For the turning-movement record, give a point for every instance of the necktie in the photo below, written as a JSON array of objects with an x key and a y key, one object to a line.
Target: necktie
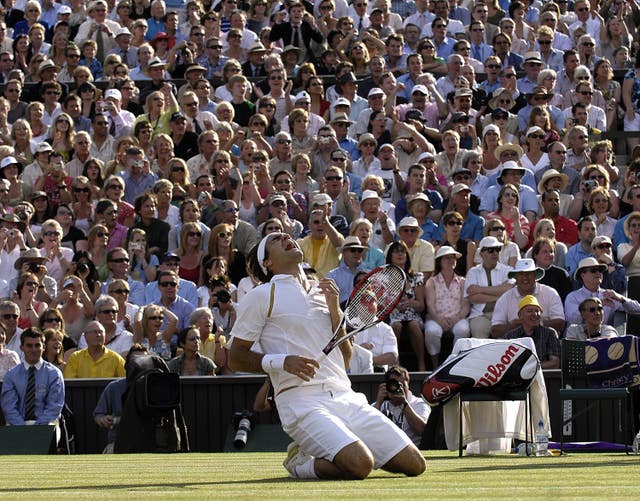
[
  {"x": 196, "y": 127},
  {"x": 488, "y": 307},
  {"x": 112, "y": 128},
  {"x": 30, "y": 396},
  {"x": 295, "y": 38},
  {"x": 125, "y": 59},
  {"x": 360, "y": 25},
  {"x": 100, "y": 44},
  {"x": 476, "y": 53}
]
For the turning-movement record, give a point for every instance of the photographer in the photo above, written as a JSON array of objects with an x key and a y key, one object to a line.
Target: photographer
[
  {"x": 396, "y": 401},
  {"x": 11, "y": 245},
  {"x": 222, "y": 307}
]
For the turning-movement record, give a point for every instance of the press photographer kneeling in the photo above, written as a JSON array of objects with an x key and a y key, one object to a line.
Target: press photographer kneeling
[{"x": 396, "y": 401}]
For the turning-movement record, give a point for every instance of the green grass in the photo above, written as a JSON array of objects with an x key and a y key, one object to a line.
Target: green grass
[{"x": 261, "y": 476}]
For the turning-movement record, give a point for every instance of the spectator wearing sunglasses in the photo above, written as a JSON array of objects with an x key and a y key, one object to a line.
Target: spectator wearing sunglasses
[
  {"x": 482, "y": 291},
  {"x": 589, "y": 274},
  {"x": 549, "y": 55},
  {"x": 591, "y": 326},
  {"x": 186, "y": 288},
  {"x": 169, "y": 285},
  {"x": 118, "y": 265},
  {"x": 9, "y": 314}
]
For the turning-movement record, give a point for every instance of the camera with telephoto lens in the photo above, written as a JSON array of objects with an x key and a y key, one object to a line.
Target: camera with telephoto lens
[
  {"x": 244, "y": 421},
  {"x": 394, "y": 387},
  {"x": 590, "y": 184},
  {"x": 223, "y": 296},
  {"x": 34, "y": 267}
]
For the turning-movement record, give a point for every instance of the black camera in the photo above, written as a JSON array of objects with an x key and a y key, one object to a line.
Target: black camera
[
  {"x": 22, "y": 215},
  {"x": 243, "y": 422},
  {"x": 34, "y": 267},
  {"x": 223, "y": 296},
  {"x": 414, "y": 115},
  {"x": 394, "y": 387},
  {"x": 83, "y": 268}
]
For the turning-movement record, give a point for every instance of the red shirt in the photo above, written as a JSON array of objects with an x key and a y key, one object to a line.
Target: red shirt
[{"x": 566, "y": 230}]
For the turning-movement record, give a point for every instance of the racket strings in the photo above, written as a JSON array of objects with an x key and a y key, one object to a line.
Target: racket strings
[{"x": 376, "y": 297}]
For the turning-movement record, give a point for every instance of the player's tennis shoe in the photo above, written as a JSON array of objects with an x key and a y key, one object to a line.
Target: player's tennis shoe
[{"x": 295, "y": 458}]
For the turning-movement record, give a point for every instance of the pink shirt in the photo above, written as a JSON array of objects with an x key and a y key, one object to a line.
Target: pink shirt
[{"x": 448, "y": 298}]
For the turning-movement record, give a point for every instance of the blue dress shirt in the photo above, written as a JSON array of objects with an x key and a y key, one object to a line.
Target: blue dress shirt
[{"x": 49, "y": 393}]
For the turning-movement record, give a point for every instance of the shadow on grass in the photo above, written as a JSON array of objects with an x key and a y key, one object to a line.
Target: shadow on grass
[
  {"x": 143, "y": 487},
  {"x": 184, "y": 485},
  {"x": 547, "y": 464}
]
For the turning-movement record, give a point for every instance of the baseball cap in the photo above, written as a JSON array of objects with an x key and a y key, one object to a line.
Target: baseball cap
[
  {"x": 114, "y": 93},
  {"x": 177, "y": 115},
  {"x": 168, "y": 256}
]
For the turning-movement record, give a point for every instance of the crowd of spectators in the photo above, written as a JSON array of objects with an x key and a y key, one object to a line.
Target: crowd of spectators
[{"x": 146, "y": 147}]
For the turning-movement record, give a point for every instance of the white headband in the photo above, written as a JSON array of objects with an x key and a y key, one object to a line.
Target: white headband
[{"x": 262, "y": 247}]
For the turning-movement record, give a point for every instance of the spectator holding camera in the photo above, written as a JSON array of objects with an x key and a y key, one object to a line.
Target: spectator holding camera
[
  {"x": 75, "y": 304},
  {"x": 396, "y": 401},
  {"x": 11, "y": 245},
  {"x": 222, "y": 307},
  {"x": 25, "y": 297}
]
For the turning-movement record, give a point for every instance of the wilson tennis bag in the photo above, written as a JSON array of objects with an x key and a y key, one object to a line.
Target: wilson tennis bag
[{"x": 499, "y": 366}]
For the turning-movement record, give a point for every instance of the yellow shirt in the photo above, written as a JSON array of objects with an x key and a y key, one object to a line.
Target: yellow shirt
[
  {"x": 82, "y": 365},
  {"x": 208, "y": 346},
  {"x": 326, "y": 257},
  {"x": 422, "y": 256}
]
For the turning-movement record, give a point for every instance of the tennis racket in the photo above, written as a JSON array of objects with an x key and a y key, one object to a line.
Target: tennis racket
[{"x": 370, "y": 302}]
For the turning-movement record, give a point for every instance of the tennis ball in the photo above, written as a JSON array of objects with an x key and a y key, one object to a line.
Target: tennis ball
[
  {"x": 590, "y": 355},
  {"x": 616, "y": 350}
]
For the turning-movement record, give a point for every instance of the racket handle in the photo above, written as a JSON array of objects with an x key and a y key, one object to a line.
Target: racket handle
[{"x": 321, "y": 358}]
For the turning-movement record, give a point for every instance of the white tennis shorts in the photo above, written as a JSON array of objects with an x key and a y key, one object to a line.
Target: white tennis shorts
[{"x": 323, "y": 422}]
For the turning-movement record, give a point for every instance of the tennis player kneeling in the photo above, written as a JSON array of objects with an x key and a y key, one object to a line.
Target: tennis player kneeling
[{"x": 336, "y": 433}]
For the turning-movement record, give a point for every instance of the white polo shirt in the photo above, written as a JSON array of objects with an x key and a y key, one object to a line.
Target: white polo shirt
[
  {"x": 506, "y": 309},
  {"x": 298, "y": 324}
]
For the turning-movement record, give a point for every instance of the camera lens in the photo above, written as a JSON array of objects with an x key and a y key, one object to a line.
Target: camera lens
[{"x": 393, "y": 386}]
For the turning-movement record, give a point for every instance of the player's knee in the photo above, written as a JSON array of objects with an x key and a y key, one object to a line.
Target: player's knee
[
  {"x": 416, "y": 465},
  {"x": 359, "y": 470},
  {"x": 355, "y": 461}
]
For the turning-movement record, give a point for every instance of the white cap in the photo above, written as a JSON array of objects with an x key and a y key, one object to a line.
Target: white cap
[
  {"x": 6, "y": 161},
  {"x": 64, "y": 10},
  {"x": 490, "y": 242},
  {"x": 420, "y": 88},
  {"x": 342, "y": 101},
  {"x": 123, "y": 31},
  {"x": 42, "y": 147},
  {"x": 114, "y": 93},
  {"x": 304, "y": 95},
  {"x": 376, "y": 91},
  {"x": 369, "y": 194},
  {"x": 533, "y": 129}
]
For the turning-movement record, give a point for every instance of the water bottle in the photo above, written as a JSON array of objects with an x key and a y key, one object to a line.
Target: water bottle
[
  {"x": 542, "y": 440},
  {"x": 636, "y": 444}
]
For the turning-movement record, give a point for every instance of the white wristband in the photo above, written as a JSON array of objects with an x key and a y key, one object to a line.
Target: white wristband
[{"x": 273, "y": 362}]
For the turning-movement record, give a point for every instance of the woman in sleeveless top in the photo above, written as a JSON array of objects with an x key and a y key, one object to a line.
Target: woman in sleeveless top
[{"x": 447, "y": 308}]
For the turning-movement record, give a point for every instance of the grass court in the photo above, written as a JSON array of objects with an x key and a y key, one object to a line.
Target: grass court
[{"x": 261, "y": 476}]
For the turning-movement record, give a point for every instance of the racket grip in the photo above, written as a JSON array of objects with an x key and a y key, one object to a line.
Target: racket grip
[{"x": 321, "y": 358}]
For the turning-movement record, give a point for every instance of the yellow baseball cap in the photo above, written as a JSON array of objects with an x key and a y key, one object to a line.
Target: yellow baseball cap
[{"x": 528, "y": 300}]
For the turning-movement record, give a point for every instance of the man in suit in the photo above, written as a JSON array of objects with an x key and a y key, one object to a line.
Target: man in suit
[
  {"x": 32, "y": 392},
  {"x": 254, "y": 67},
  {"x": 298, "y": 31}
]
